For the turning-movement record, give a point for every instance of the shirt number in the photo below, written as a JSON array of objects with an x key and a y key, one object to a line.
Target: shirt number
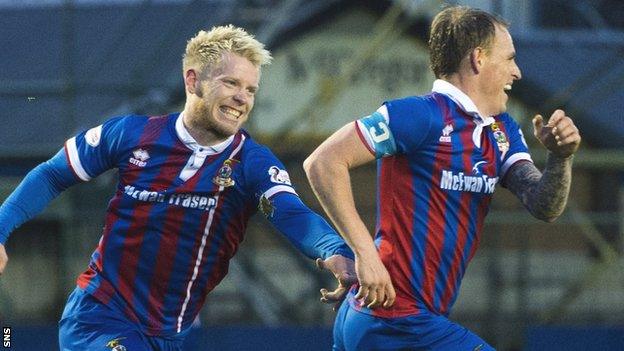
[{"x": 379, "y": 137}]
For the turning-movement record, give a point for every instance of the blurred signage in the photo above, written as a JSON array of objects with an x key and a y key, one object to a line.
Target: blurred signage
[{"x": 308, "y": 89}]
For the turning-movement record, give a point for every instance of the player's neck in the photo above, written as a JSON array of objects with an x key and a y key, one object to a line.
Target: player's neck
[
  {"x": 202, "y": 136},
  {"x": 470, "y": 86}
]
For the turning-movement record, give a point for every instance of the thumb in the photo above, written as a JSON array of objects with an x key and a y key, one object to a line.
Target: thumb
[
  {"x": 320, "y": 263},
  {"x": 538, "y": 124}
]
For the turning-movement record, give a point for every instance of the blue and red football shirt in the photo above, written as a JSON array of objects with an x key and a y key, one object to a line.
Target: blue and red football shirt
[
  {"x": 178, "y": 215},
  {"x": 438, "y": 164}
]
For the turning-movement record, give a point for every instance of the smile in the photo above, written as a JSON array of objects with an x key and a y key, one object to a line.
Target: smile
[
  {"x": 507, "y": 87},
  {"x": 230, "y": 111}
]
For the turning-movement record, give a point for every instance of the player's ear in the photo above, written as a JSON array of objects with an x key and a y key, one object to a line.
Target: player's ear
[
  {"x": 477, "y": 57},
  {"x": 191, "y": 81}
]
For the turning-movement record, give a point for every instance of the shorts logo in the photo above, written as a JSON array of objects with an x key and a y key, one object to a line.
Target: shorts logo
[
  {"x": 114, "y": 345},
  {"x": 279, "y": 175},
  {"x": 139, "y": 158},
  {"x": 446, "y": 134},
  {"x": 224, "y": 174},
  {"x": 93, "y": 135}
]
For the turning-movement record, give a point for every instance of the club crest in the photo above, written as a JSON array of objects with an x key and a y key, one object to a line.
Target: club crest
[
  {"x": 224, "y": 175},
  {"x": 500, "y": 137},
  {"x": 114, "y": 345}
]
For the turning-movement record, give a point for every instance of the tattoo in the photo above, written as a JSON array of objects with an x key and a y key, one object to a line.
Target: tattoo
[{"x": 544, "y": 195}]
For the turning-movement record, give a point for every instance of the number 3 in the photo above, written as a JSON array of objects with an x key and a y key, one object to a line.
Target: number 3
[{"x": 379, "y": 137}]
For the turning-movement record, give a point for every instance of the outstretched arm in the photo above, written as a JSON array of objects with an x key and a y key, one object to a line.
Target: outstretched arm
[
  {"x": 545, "y": 194},
  {"x": 327, "y": 169},
  {"x": 39, "y": 187},
  {"x": 313, "y": 236}
]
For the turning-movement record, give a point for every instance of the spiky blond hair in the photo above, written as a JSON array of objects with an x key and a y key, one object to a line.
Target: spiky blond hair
[{"x": 205, "y": 50}]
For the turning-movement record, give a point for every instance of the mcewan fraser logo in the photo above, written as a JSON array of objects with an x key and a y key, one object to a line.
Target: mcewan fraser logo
[
  {"x": 459, "y": 181},
  {"x": 185, "y": 200}
]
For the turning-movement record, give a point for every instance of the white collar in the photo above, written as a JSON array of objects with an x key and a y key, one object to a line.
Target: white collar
[
  {"x": 192, "y": 144},
  {"x": 463, "y": 100}
]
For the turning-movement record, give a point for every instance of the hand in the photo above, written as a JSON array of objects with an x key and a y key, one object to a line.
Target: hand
[
  {"x": 343, "y": 270},
  {"x": 3, "y": 258},
  {"x": 560, "y": 136},
  {"x": 375, "y": 284}
]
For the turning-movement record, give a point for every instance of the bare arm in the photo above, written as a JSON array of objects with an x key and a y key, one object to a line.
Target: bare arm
[
  {"x": 327, "y": 169},
  {"x": 545, "y": 195},
  {"x": 4, "y": 259}
]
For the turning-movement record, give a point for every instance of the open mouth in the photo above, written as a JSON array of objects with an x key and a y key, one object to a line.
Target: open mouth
[
  {"x": 507, "y": 87},
  {"x": 230, "y": 112}
]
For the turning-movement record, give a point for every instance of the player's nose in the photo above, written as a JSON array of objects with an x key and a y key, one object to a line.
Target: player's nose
[{"x": 516, "y": 73}]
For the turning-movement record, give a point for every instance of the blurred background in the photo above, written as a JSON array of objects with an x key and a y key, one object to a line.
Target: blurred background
[{"x": 68, "y": 65}]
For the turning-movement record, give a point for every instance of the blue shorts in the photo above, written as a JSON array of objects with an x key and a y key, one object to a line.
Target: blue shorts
[
  {"x": 87, "y": 324},
  {"x": 355, "y": 330}
]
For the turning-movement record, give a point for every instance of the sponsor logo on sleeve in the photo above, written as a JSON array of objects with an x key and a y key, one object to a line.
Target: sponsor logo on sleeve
[
  {"x": 279, "y": 175},
  {"x": 266, "y": 206},
  {"x": 93, "y": 135}
]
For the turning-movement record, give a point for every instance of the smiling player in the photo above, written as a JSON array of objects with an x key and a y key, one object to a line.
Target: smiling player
[
  {"x": 188, "y": 183},
  {"x": 439, "y": 157}
]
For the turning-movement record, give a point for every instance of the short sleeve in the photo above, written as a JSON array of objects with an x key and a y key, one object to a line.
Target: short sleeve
[
  {"x": 92, "y": 152},
  {"x": 397, "y": 126},
  {"x": 266, "y": 174},
  {"x": 518, "y": 148},
  {"x": 374, "y": 131}
]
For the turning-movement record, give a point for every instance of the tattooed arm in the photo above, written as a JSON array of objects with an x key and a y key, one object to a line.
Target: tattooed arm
[{"x": 545, "y": 195}]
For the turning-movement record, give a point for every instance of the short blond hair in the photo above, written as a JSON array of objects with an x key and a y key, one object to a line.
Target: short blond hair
[
  {"x": 206, "y": 49},
  {"x": 455, "y": 32}
]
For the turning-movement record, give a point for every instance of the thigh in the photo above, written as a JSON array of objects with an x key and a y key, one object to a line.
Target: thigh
[
  {"x": 88, "y": 325},
  {"x": 166, "y": 344},
  {"x": 339, "y": 327},
  {"x": 76, "y": 334},
  {"x": 446, "y": 335},
  {"x": 362, "y": 331}
]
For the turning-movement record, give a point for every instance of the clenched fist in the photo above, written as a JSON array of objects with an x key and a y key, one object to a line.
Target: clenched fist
[{"x": 560, "y": 136}]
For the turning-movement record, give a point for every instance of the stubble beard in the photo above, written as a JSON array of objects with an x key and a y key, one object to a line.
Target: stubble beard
[{"x": 205, "y": 121}]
